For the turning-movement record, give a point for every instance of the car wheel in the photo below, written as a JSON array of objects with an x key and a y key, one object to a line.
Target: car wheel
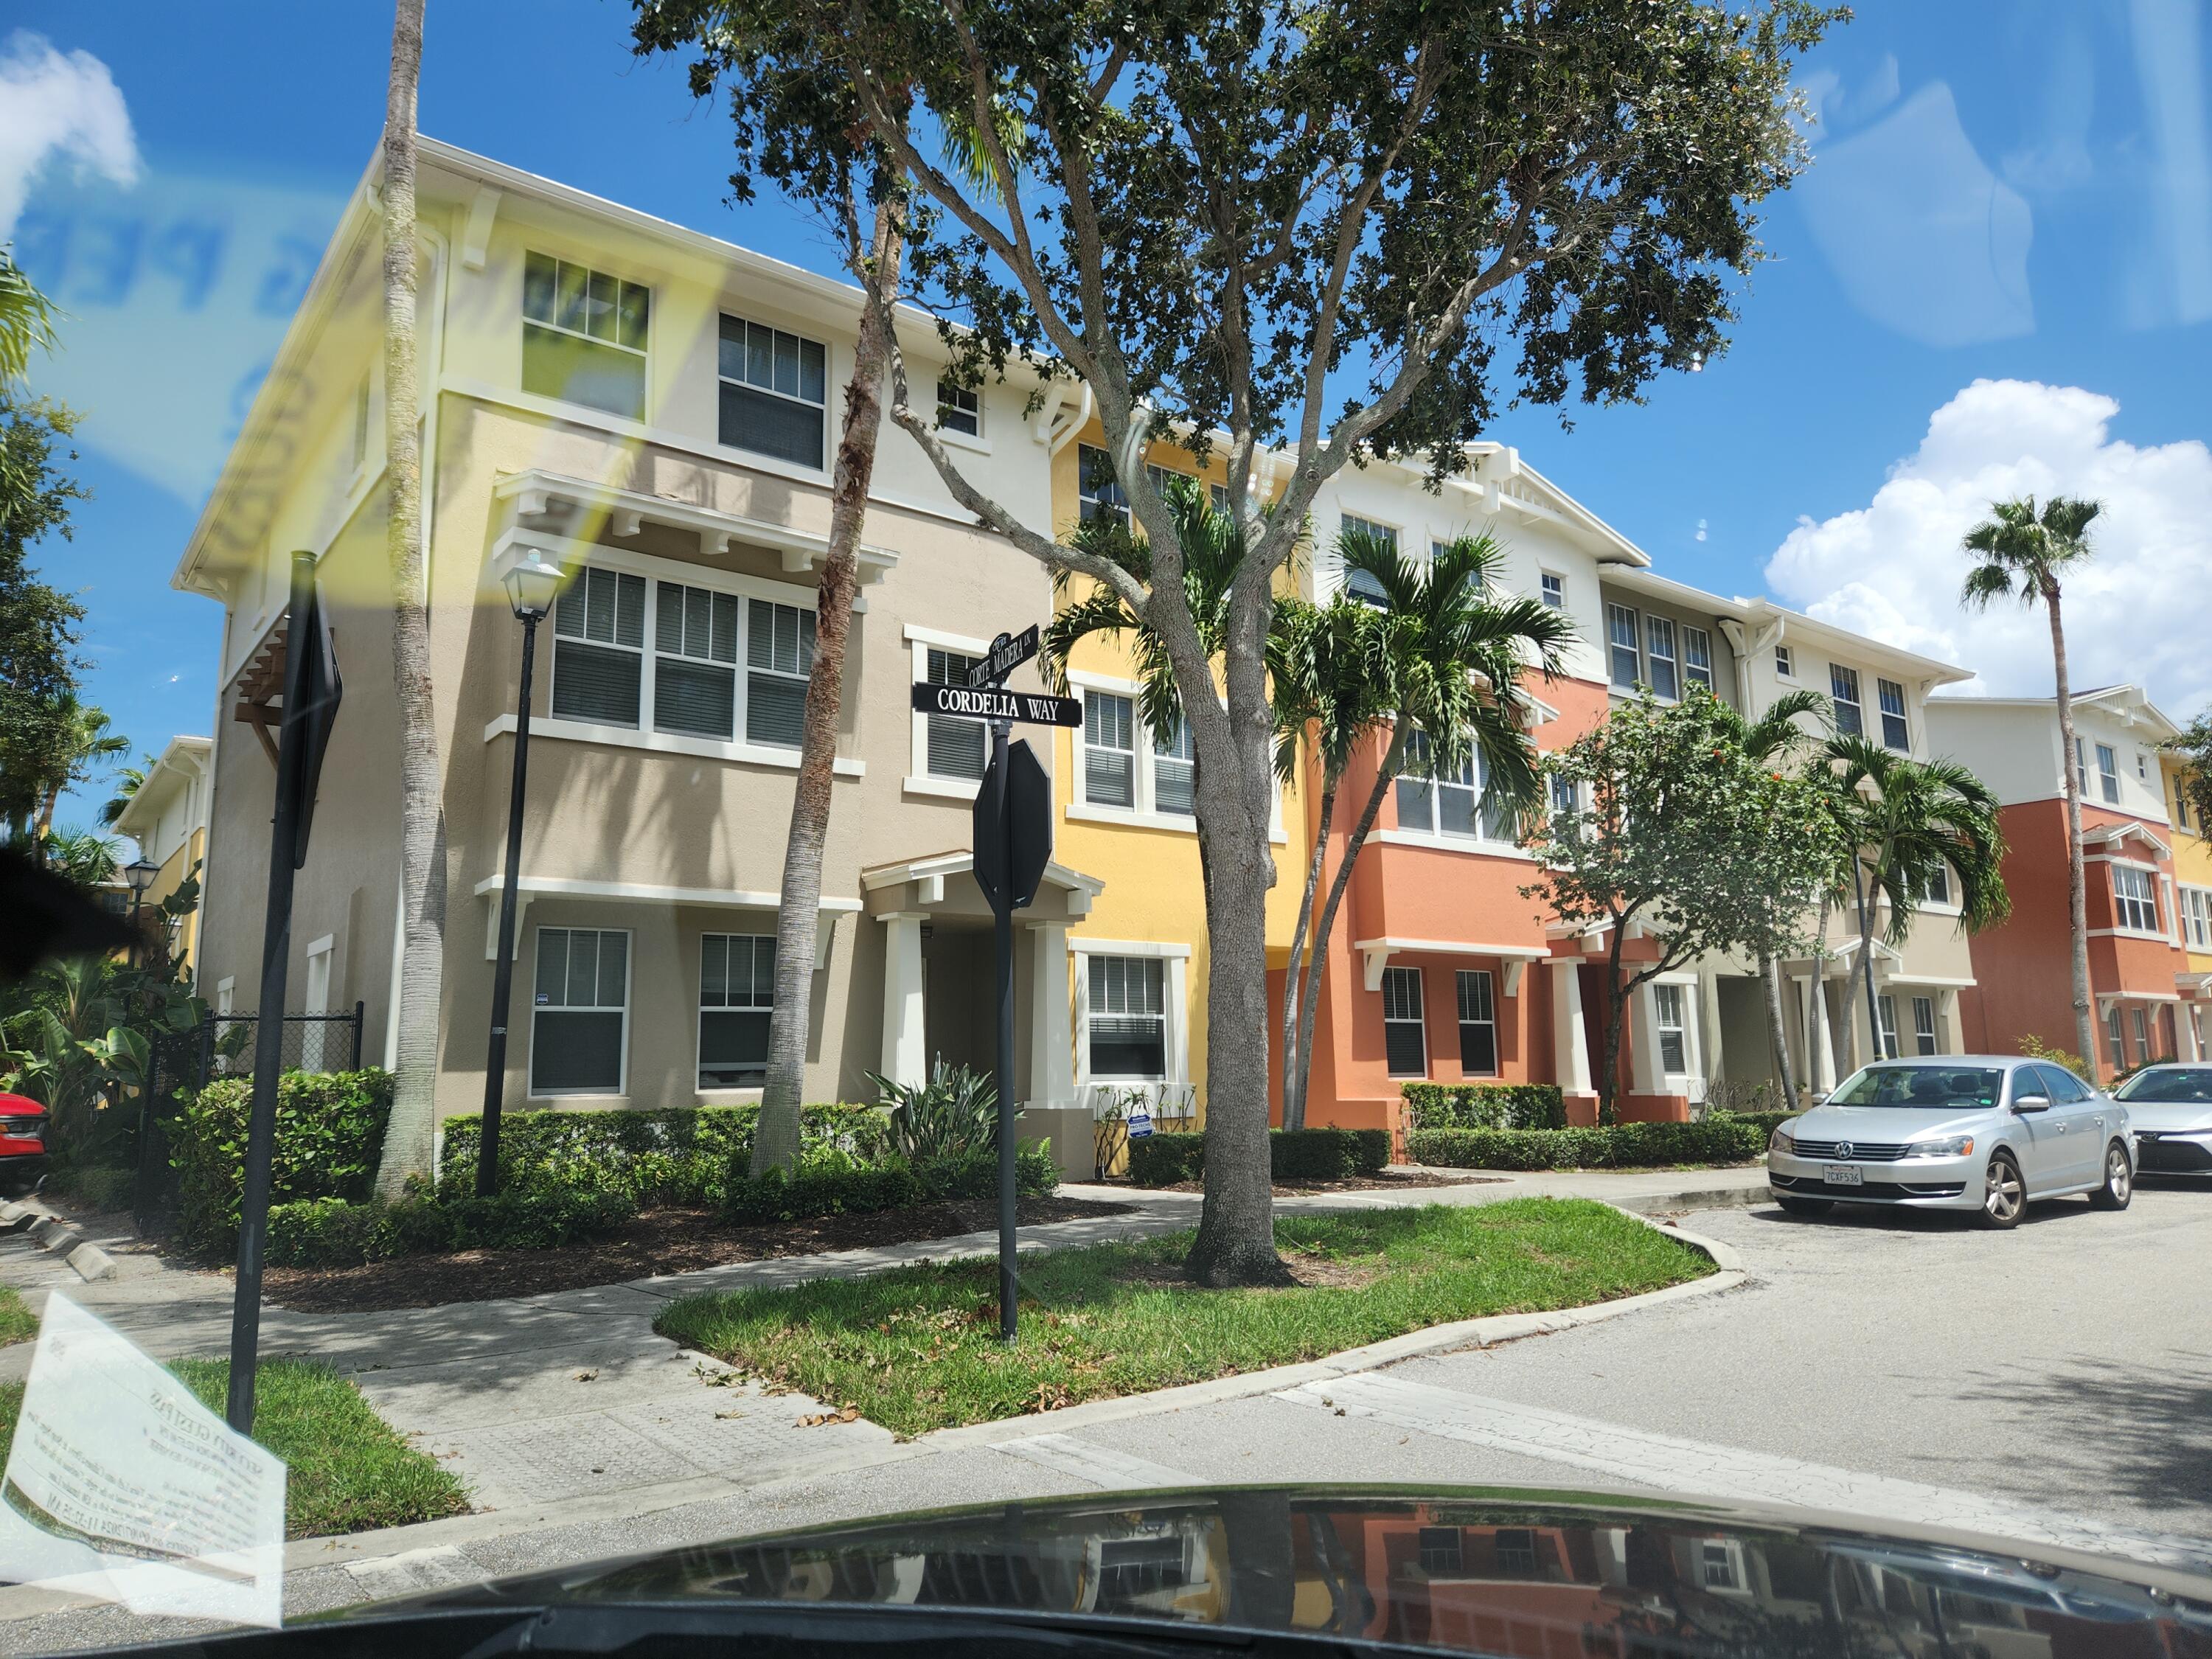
[
  {"x": 2004, "y": 1196},
  {"x": 1806, "y": 1206},
  {"x": 2119, "y": 1183}
]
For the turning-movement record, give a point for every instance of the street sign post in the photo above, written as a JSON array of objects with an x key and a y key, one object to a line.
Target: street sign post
[{"x": 1012, "y": 843}]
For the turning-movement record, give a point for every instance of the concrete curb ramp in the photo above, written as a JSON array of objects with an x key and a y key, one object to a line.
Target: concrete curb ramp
[{"x": 57, "y": 1237}]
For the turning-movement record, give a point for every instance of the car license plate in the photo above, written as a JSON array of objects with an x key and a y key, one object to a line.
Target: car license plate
[{"x": 1841, "y": 1175}]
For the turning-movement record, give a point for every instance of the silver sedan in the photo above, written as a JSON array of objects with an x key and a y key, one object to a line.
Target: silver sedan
[
  {"x": 2170, "y": 1109},
  {"x": 1979, "y": 1133}
]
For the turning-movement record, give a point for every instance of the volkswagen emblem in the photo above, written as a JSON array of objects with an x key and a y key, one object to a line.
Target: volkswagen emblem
[{"x": 1842, "y": 1149}]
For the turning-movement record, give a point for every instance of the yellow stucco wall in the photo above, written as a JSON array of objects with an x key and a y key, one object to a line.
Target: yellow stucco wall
[
  {"x": 2193, "y": 852},
  {"x": 1153, "y": 890}
]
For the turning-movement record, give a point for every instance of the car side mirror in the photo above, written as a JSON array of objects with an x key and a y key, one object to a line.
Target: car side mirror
[{"x": 2030, "y": 1102}]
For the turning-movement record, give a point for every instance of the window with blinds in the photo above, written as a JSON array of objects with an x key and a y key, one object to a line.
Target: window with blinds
[
  {"x": 579, "y": 1013},
  {"x": 1661, "y": 662},
  {"x": 1358, "y": 583},
  {"x": 958, "y": 746},
  {"x": 1673, "y": 1027},
  {"x": 1622, "y": 651},
  {"x": 1405, "y": 1035},
  {"x": 1174, "y": 771},
  {"x": 1697, "y": 656},
  {"x": 1843, "y": 693},
  {"x": 1110, "y": 750},
  {"x": 694, "y": 671},
  {"x": 1098, "y": 489},
  {"x": 778, "y": 656},
  {"x": 1895, "y": 732},
  {"x": 1127, "y": 1008},
  {"x": 736, "y": 994},
  {"x": 773, "y": 392},
  {"x": 599, "y": 648},
  {"x": 1478, "y": 1024}
]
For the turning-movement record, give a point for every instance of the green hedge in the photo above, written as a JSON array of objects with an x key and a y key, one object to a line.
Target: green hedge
[
  {"x": 676, "y": 1155},
  {"x": 827, "y": 1187},
  {"x": 329, "y": 1232},
  {"x": 1293, "y": 1155},
  {"x": 1485, "y": 1106},
  {"x": 330, "y": 1131},
  {"x": 1717, "y": 1139}
]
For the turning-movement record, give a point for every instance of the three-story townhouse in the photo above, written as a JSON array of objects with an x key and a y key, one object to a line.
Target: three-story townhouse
[
  {"x": 2192, "y": 877},
  {"x": 654, "y": 409},
  {"x": 168, "y": 818},
  {"x": 2138, "y": 962}
]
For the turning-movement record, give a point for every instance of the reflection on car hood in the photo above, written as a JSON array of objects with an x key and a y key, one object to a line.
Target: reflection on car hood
[
  {"x": 1470, "y": 1569},
  {"x": 2168, "y": 1115},
  {"x": 1884, "y": 1123}
]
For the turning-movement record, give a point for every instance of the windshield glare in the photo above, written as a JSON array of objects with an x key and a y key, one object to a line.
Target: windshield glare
[
  {"x": 2178, "y": 1082},
  {"x": 1928, "y": 1087}
]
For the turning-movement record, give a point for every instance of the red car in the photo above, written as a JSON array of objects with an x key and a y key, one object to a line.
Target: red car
[{"x": 22, "y": 1145}]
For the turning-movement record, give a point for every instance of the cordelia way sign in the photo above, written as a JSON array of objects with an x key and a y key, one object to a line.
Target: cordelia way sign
[{"x": 995, "y": 703}]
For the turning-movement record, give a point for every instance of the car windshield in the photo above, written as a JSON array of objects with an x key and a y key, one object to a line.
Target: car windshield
[
  {"x": 2178, "y": 1083},
  {"x": 1925, "y": 1086}
]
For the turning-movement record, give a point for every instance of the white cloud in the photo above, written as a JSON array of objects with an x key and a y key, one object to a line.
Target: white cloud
[
  {"x": 60, "y": 106},
  {"x": 1701, "y": 530},
  {"x": 2139, "y": 611}
]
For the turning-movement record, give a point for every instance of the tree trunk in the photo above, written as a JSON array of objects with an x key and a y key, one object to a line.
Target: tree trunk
[
  {"x": 408, "y": 1137},
  {"x": 776, "y": 1140},
  {"x": 1866, "y": 960},
  {"x": 1777, "y": 1035},
  {"x": 1817, "y": 1024},
  {"x": 1616, "y": 1013},
  {"x": 1295, "y": 976},
  {"x": 2078, "y": 889},
  {"x": 1392, "y": 758}
]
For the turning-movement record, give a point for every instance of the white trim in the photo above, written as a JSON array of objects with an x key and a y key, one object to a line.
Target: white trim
[
  {"x": 919, "y": 780},
  {"x": 2132, "y": 933},
  {"x": 1082, "y": 945},
  {"x": 621, "y": 1090},
  {"x": 1478, "y": 845},
  {"x": 318, "y": 946},
  {"x": 1456, "y": 948},
  {"x": 967, "y": 644},
  {"x": 2112, "y": 835},
  {"x": 640, "y": 893},
  {"x": 665, "y": 743},
  {"x": 947, "y": 788}
]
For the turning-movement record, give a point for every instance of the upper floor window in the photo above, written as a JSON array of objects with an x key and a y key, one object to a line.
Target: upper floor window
[
  {"x": 779, "y": 653},
  {"x": 1098, "y": 487},
  {"x": 695, "y": 665},
  {"x": 737, "y": 995},
  {"x": 1174, "y": 771},
  {"x": 1844, "y": 692},
  {"x": 1566, "y": 797},
  {"x": 1449, "y": 800},
  {"x": 1358, "y": 583},
  {"x": 599, "y": 648},
  {"x": 1784, "y": 663},
  {"x": 1697, "y": 656},
  {"x": 773, "y": 392},
  {"x": 583, "y": 336},
  {"x": 2196, "y": 917},
  {"x": 2081, "y": 764},
  {"x": 2142, "y": 766},
  {"x": 1110, "y": 750},
  {"x": 1895, "y": 734},
  {"x": 2180, "y": 802},
  {"x": 2108, "y": 773},
  {"x": 959, "y": 408},
  {"x": 2135, "y": 898},
  {"x": 1555, "y": 590},
  {"x": 1936, "y": 889},
  {"x": 1627, "y": 664},
  {"x": 956, "y": 745},
  {"x": 1661, "y": 665}
]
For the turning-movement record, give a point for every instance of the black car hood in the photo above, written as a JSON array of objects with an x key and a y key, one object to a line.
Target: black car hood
[{"x": 1470, "y": 1569}]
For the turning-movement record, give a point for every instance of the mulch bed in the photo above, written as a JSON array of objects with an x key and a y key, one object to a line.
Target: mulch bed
[
  {"x": 1389, "y": 1181},
  {"x": 658, "y": 1241}
]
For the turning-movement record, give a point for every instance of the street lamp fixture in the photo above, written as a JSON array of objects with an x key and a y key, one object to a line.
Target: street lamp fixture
[
  {"x": 532, "y": 581},
  {"x": 140, "y": 873}
]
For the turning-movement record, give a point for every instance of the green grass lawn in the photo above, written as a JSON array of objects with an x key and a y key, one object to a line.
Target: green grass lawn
[
  {"x": 917, "y": 1348},
  {"x": 17, "y": 1323},
  {"x": 344, "y": 1468}
]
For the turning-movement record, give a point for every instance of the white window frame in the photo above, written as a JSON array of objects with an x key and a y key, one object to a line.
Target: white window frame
[
  {"x": 702, "y": 1008},
  {"x": 1461, "y": 983},
  {"x": 1393, "y": 533},
  {"x": 1839, "y": 675},
  {"x": 621, "y": 1090},
  {"x": 1431, "y": 832},
  {"x": 1786, "y": 662},
  {"x": 1144, "y": 791},
  {"x": 2139, "y": 1025},
  {"x": 735, "y": 666},
  {"x": 314, "y": 1047},
  {"x": 1927, "y": 1034},
  {"x": 1697, "y": 655},
  {"x": 1420, "y": 1019},
  {"x": 1886, "y": 1017},
  {"x": 1172, "y": 961},
  {"x": 2124, "y": 905},
  {"x": 1882, "y": 688},
  {"x": 643, "y": 354},
  {"x": 1656, "y": 627},
  {"x": 2115, "y": 1035},
  {"x": 919, "y": 780},
  {"x": 1615, "y": 613},
  {"x": 2081, "y": 767},
  {"x": 799, "y": 399},
  {"x": 1676, "y": 1025},
  {"x": 2108, "y": 774},
  {"x": 1085, "y": 500},
  {"x": 1551, "y": 587},
  {"x": 964, "y": 402},
  {"x": 643, "y": 650},
  {"x": 2195, "y": 907}
]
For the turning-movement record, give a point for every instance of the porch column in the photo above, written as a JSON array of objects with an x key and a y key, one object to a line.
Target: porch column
[
  {"x": 1570, "y": 1035},
  {"x": 906, "y": 1057},
  {"x": 1644, "y": 1075},
  {"x": 1821, "y": 1041},
  {"x": 1052, "y": 1061},
  {"x": 2184, "y": 1029},
  {"x": 1711, "y": 1061},
  {"x": 1949, "y": 1038}
]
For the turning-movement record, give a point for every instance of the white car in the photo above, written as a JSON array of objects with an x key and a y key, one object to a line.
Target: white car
[
  {"x": 2170, "y": 1109},
  {"x": 1981, "y": 1132}
]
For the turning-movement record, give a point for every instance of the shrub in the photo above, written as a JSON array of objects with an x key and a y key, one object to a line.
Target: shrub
[
  {"x": 1293, "y": 1155},
  {"x": 1162, "y": 1160},
  {"x": 676, "y": 1155},
  {"x": 329, "y": 1130},
  {"x": 1725, "y": 1138},
  {"x": 953, "y": 1115},
  {"x": 1485, "y": 1106},
  {"x": 2036, "y": 1049},
  {"x": 329, "y": 1232},
  {"x": 833, "y": 1185}
]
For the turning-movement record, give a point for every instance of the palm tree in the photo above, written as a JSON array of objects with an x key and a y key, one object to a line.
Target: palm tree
[
  {"x": 27, "y": 320},
  {"x": 86, "y": 744},
  {"x": 2023, "y": 553},
  {"x": 129, "y": 780},
  {"x": 84, "y": 856},
  {"x": 1910, "y": 822},
  {"x": 1449, "y": 655},
  {"x": 407, "y": 1141}
]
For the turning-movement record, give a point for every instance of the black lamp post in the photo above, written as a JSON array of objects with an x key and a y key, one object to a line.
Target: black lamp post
[
  {"x": 532, "y": 581},
  {"x": 140, "y": 873}
]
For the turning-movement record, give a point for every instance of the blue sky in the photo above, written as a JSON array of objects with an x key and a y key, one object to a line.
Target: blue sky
[{"x": 2010, "y": 191}]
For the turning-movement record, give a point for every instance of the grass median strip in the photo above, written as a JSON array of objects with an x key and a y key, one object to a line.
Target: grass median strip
[
  {"x": 917, "y": 1348},
  {"x": 17, "y": 1323},
  {"x": 345, "y": 1469}
]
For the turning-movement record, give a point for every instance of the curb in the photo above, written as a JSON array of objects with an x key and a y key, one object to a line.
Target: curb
[
  {"x": 92, "y": 1263},
  {"x": 1709, "y": 1198}
]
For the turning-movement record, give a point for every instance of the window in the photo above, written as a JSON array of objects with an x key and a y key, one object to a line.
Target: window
[
  {"x": 1358, "y": 583},
  {"x": 1662, "y": 665},
  {"x": 1697, "y": 656},
  {"x": 959, "y": 408},
  {"x": 1110, "y": 750},
  {"x": 360, "y": 424},
  {"x": 1673, "y": 1027},
  {"x": 695, "y": 672},
  {"x": 2135, "y": 898},
  {"x": 2180, "y": 802},
  {"x": 1936, "y": 889},
  {"x": 1478, "y": 1024},
  {"x": 2196, "y": 917},
  {"x": 1404, "y": 1040},
  {"x": 580, "y": 1012},
  {"x": 1716, "y": 1565},
  {"x": 957, "y": 743},
  {"x": 2142, "y": 766},
  {"x": 1620, "y": 636},
  {"x": 2081, "y": 765},
  {"x": 2108, "y": 773},
  {"x": 1563, "y": 796},
  {"x": 1886, "y": 1015},
  {"x": 1216, "y": 496},
  {"x": 583, "y": 336},
  {"x": 2139, "y": 1019},
  {"x": 1516, "y": 1549},
  {"x": 1844, "y": 692},
  {"x": 1129, "y": 1017},
  {"x": 599, "y": 648},
  {"x": 1451, "y": 800},
  {"x": 1439, "y": 1548},
  {"x": 1784, "y": 665},
  {"x": 1895, "y": 734},
  {"x": 772, "y": 392},
  {"x": 737, "y": 992},
  {"x": 1923, "y": 1025},
  {"x": 1174, "y": 771},
  {"x": 2118, "y": 1042},
  {"x": 779, "y": 653},
  {"x": 1101, "y": 492},
  {"x": 313, "y": 1031},
  {"x": 1555, "y": 590}
]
